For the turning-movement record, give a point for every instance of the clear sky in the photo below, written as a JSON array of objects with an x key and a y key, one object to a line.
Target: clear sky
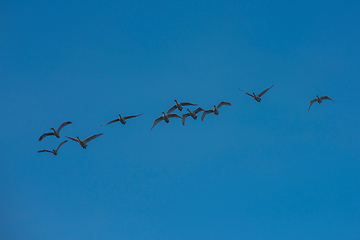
[{"x": 268, "y": 170}]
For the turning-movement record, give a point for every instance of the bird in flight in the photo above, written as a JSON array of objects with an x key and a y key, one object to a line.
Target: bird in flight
[
  {"x": 319, "y": 100},
  {"x": 85, "y": 141},
  {"x": 215, "y": 110},
  {"x": 122, "y": 119},
  {"x": 54, "y": 151},
  {"x": 192, "y": 114},
  {"x": 164, "y": 117},
  {"x": 56, "y": 133},
  {"x": 180, "y": 106},
  {"x": 257, "y": 97}
]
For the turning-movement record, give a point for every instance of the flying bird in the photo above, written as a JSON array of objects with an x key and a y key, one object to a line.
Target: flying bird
[
  {"x": 319, "y": 100},
  {"x": 55, "y": 132},
  {"x": 215, "y": 110},
  {"x": 164, "y": 117},
  {"x": 180, "y": 106},
  {"x": 257, "y": 97},
  {"x": 54, "y": 151},
  {"x": 85, "y": 141},
  {"x": 192, "y": 114},
  {"x": 122, "y": 119}
]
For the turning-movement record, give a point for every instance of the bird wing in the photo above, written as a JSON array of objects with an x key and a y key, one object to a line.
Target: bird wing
[
  {"x": 62, "y": 143},
  {"x": 92, "y": 137},
  {"x": 132, "y": 116},
  {"x": 198, "y": 110},
  {"x": 205, "y": 113},
  {"x": 188, "y": 104},
  {"x": 112, "y": 121},
  {"x": 45, "y": 135},
  {"x": 183, "y": 118},
  {"x": 44, "y": 151},
  {"x": 246, "y": 93},
  {"x": 173, "y": 115},
  {"x": 326, "y": 97},
  {"x": 263, "y": 92},
  {"x": 63, "y": 125},
  {"x": 171, "y": 109},
  {"x": 159, "y": 119},
  {"x": 74, "y": 139},
  {"x": 311, "y": 102},
  {"x": 223, "y": 103}
]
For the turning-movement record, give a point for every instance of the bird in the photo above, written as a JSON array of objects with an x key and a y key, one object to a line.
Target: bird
[
  {"x": 122, "y": 119},
  {"x": 257, "y": 97},
  {"x": 215, "y": 110},
  {"x": 319, "y": 100},
  {"x": 55, "y": 132},
  {"x": 85, "y": 141},
  {"x": 180, "y": 106},
  {"x": 54, "y": 151},
  {"x": 164, "y": 117},
  {"x": 192, "y": 114}
]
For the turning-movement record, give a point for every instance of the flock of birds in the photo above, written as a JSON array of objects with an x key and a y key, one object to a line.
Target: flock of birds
[{"x": 166, "y": 116}]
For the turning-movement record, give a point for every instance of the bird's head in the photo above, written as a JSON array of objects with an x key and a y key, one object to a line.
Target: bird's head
[
  {"x": 78, "y": 138},
  {"x": 188, "y": 110}
]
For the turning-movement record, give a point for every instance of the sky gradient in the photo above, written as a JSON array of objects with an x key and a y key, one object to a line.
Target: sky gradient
[{"x": 268, "y": 170}]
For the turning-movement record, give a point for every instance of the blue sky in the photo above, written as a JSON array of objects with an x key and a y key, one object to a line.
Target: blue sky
[{"x": 269, "y": 170}]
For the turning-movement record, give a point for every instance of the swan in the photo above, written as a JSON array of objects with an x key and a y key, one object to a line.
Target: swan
[
  {"x": 215, "y": 110},
  {"x": 122, "y": 119},
  {"x": 180, "y": 106},
  {"x": 164, "y": 117},
  {"x": 319, "y": 100},
  {"x": 54, "y": 151},
  {"x": 85, "y": 141},
  {"x": 55, "y": 132},
  {"x": 257, "y": 97},
  {"x": 192, "y": 114}
]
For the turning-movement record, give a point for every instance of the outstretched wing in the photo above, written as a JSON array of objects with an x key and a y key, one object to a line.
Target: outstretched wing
[
  {"x": 198, "y": 110},
  {"x": 45, "y": 151},
  {"x": 92, "y": 137},
  {"x": 156, "y": 122},
  {"x": 45, "y": 135},
  {"x": 173, "y": 115},
  {"x": 223, "y": 103},
  {"x": 171, "y": 109},
  {"x": 311, "y": 102},
  {"x": 112, "y": 121},
  {"x": 246, "y": 93},
  {"x": 263, "y": 92},
  {"x": 61, "y": 145},
  {"x": 183, "y": 118},
  {"x": 188, "y": 104},
  {"x": 205, "y": 113},
  {"x": 132, "y": 116},
  {"x": 63, "y": 125},
  {"x": 74, "y": 139},
  {"x": 326, "y": 97}
]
